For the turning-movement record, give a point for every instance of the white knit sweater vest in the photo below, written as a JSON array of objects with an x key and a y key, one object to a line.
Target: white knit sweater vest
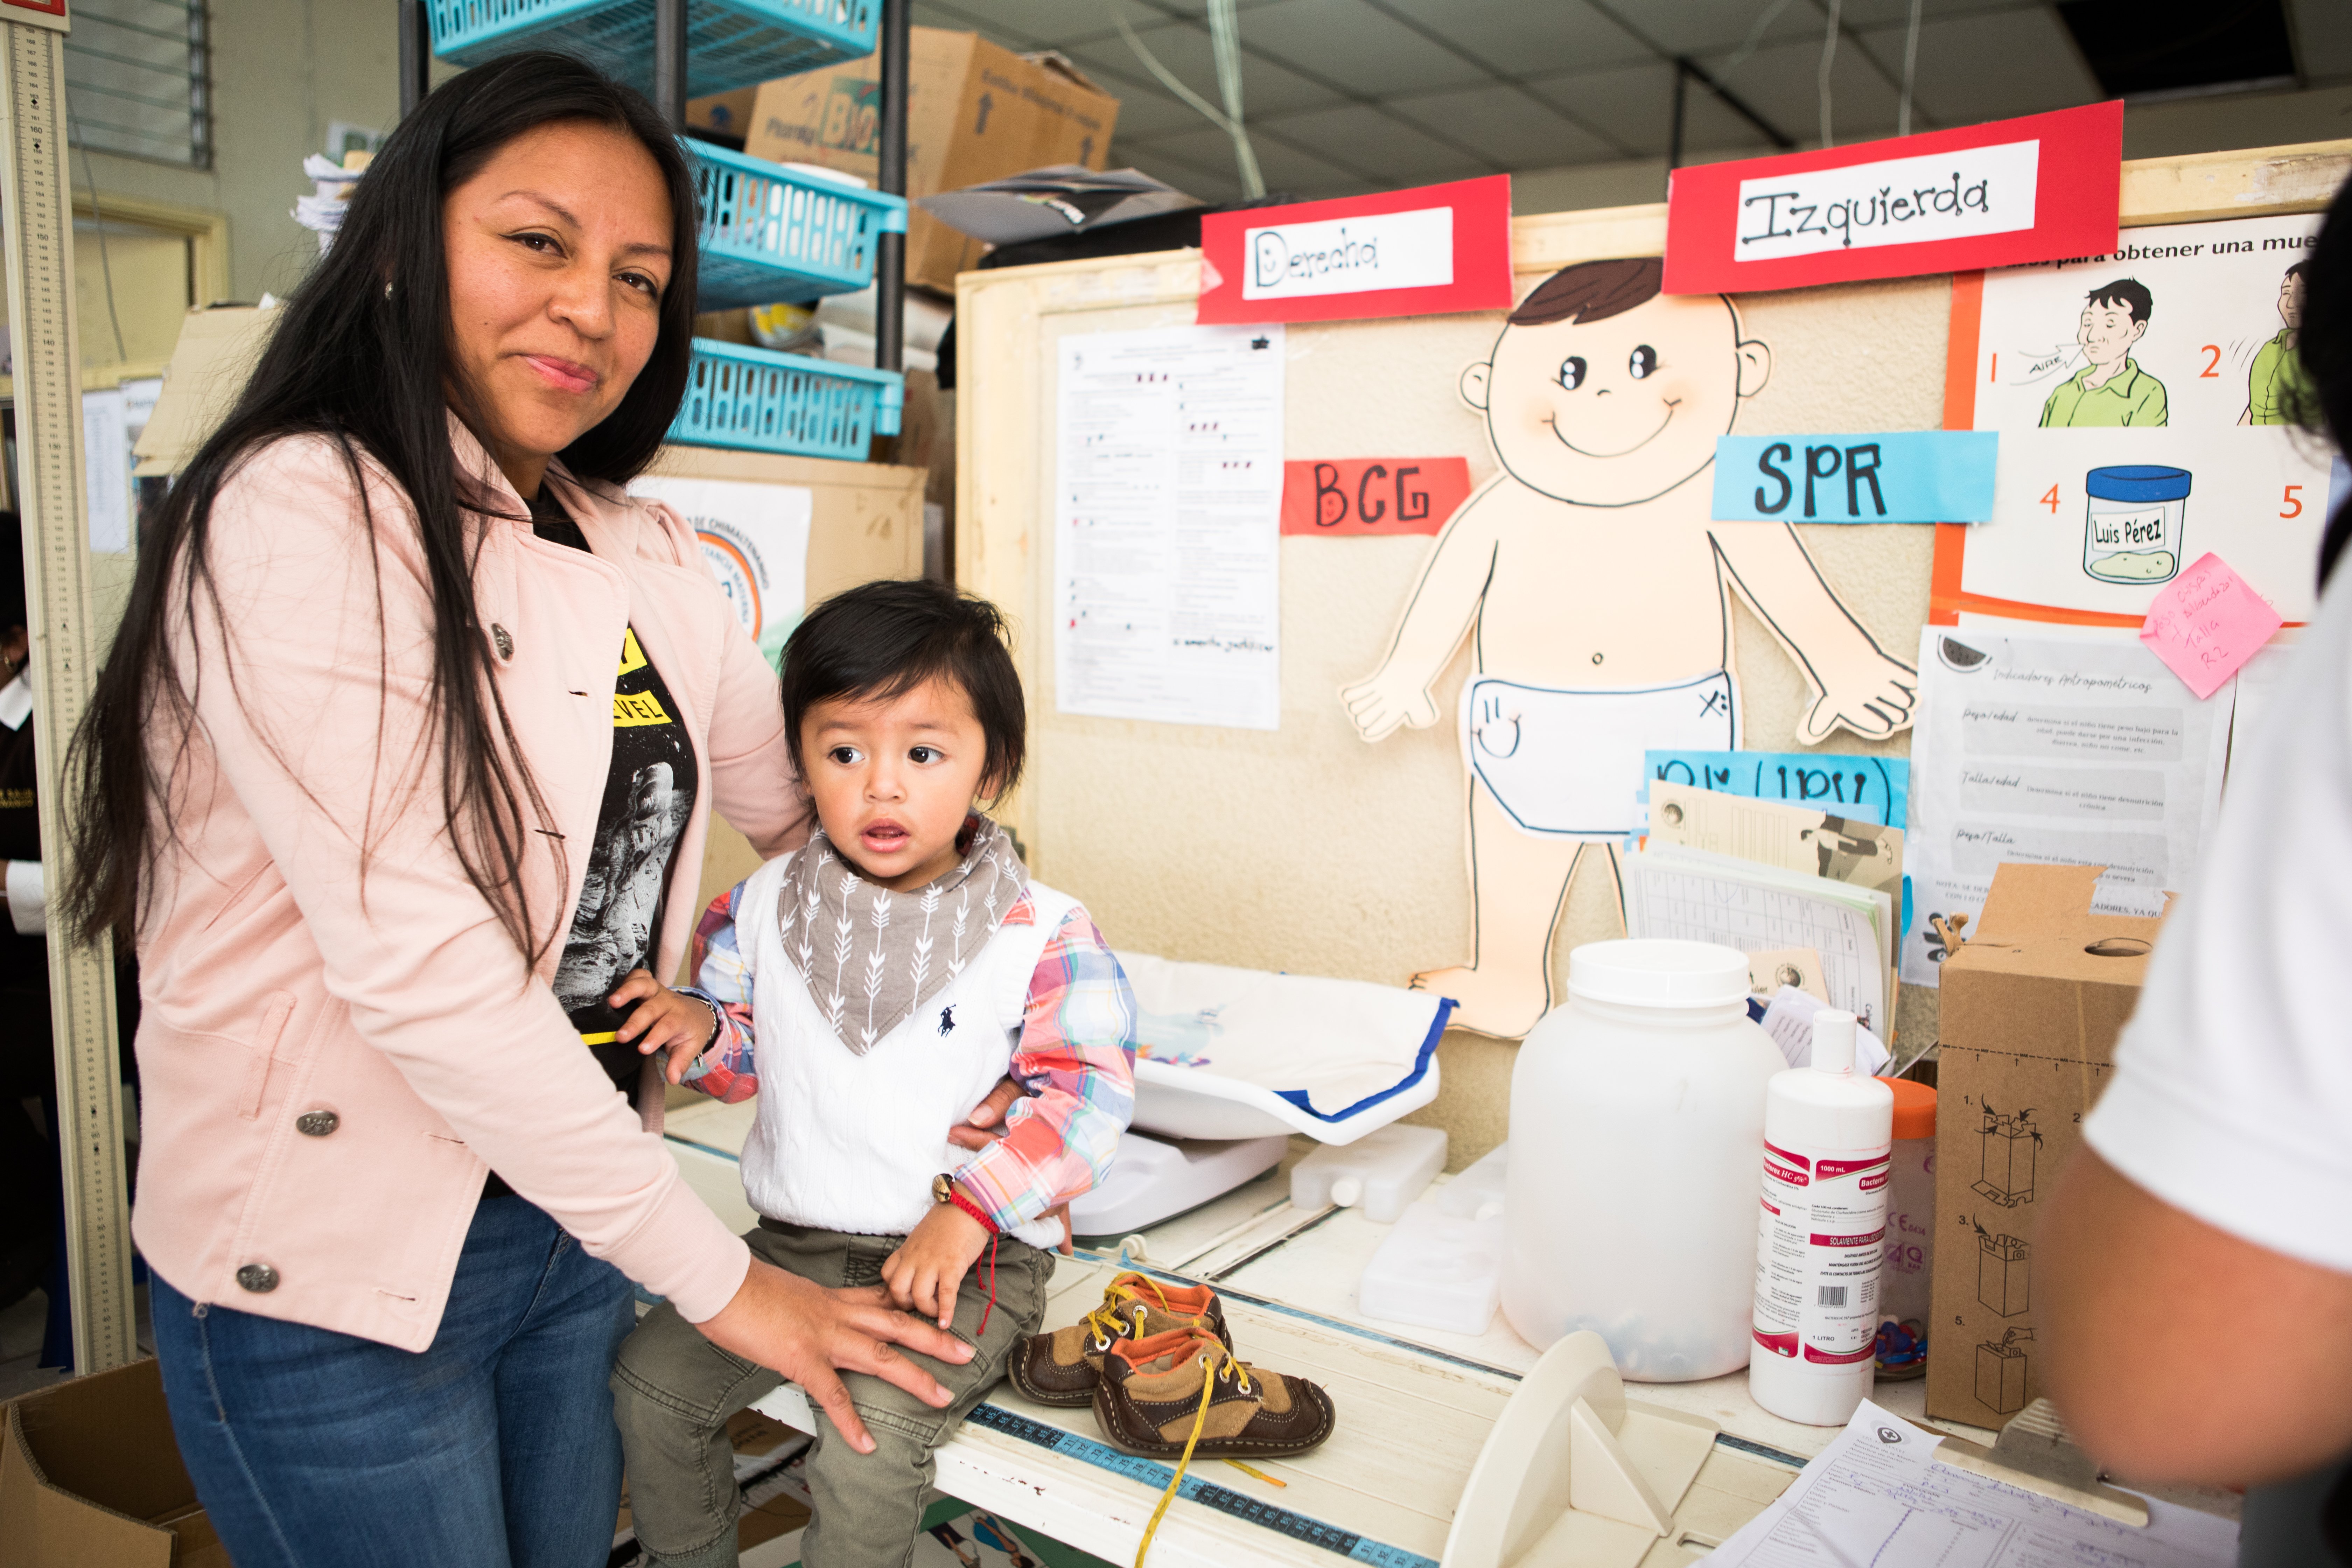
[{"x": 848, "y": 1142}]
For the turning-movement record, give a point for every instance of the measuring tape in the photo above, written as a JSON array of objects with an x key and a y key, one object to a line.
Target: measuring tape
[
  {"x": 36, "y": 229},
  {"x": 1224, "y": 1500}
]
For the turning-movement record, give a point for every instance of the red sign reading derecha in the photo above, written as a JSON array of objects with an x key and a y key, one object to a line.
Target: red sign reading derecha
[{"x": 2002, "y": 195}]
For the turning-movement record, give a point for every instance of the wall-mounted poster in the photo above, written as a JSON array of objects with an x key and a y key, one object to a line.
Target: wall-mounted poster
[
  {"x": 2145, "y": 402},
  {"x": 1596, "y": 591}
]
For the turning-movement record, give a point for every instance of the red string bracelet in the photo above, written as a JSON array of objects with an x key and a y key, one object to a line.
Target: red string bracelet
[{"x": 955, "y": 1197}]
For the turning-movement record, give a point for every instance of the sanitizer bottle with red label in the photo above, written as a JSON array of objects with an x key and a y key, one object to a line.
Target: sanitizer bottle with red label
[{"x": 1820, "y": 1235}]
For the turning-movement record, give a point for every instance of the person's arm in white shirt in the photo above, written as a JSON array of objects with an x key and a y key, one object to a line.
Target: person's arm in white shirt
[{"x": 2193, "y": 1275}]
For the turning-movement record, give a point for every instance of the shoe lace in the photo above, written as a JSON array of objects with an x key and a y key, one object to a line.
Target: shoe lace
[
  {"x": 1216, "y": 1364},
  {"x": 1108, "y": 1322}
]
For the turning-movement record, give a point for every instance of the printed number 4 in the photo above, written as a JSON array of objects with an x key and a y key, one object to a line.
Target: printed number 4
[
  {"x": 2293, "y": 501},
  {"x": 2050, "y": 501}
]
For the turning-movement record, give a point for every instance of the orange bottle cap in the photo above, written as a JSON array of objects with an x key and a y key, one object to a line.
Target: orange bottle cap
[{"x": 1914, "y": 1108}]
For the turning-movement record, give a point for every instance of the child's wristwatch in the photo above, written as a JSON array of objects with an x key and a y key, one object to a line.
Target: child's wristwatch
[{"x": 945, "y": 1191}]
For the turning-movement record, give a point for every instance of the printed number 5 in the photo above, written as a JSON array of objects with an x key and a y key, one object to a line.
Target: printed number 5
[{"x": 2294, "y": 502}]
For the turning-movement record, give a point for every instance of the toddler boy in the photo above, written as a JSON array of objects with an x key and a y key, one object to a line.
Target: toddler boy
[{"x": 872, "y": 987}]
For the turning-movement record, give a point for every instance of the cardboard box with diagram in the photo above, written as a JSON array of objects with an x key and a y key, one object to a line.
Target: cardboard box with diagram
[{"x": 2031, "y": 1008}]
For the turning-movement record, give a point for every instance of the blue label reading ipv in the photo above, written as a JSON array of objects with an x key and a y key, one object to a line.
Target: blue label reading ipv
[{"x": 1896, "y": 476}]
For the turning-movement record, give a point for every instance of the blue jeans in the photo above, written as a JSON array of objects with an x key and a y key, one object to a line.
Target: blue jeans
[{"x": 494, "y": 1448}]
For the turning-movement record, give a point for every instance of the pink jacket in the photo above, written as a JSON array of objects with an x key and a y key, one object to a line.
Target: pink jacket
[{"x": 329, "y": 1061}]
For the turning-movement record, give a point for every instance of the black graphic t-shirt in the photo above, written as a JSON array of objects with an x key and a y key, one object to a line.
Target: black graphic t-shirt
[{"x": 648, "y": 794}]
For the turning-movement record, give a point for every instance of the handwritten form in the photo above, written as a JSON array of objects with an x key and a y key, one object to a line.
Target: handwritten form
[
  {"x": 2207, "y": 622},
  {"x": 1167, "y": 520},
  {"x": 1690, "y": 895},
  {"x": 1877, "y": 1494},
  {"x": 2061, "y": 751}
]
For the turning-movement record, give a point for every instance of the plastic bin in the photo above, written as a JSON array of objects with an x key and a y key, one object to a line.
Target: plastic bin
[
  {"x": 757, "y": 401},
  {"x": 728, "y": 43},
  {"x": 770, "y": 233}
]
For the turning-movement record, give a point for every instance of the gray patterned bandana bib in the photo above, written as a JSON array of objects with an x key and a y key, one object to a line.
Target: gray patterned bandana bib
[{"x": 870, "y": 957}]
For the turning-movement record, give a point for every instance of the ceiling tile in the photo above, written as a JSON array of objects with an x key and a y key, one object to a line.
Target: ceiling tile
[
  {"x": 1512, "y": 128},
  {"x": 1285, "y": 168},
  {"x": 1352, "y": 42},
  {"x": 1017, "y": 23},
  {"x": 2323, "y": 36},
  {"x": 1146, "y": 111},
  {"x": 1517, "y": 38},
  {"x": 1861, "y": 14},
  {"x": 1358, "y": 136},
  {"x": 1635, "y": 103},
  {"x": 1267, "y": 87},
  {"x": 1713, "y": 27},
  {"x": 1211, "y": 184},
  {"x": 1973, "y": 68},
  {"x": 1780, "y": 82}
]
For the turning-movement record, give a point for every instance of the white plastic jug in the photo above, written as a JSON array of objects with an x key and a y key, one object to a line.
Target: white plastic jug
[{"x": 1637, "y": 1122}]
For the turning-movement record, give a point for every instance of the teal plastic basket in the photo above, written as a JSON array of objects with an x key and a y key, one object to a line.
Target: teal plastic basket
[
  {"x": 757, "y": 401},
  {"x": 770, "y": 233},
  {"x": 728, "y": 43}
]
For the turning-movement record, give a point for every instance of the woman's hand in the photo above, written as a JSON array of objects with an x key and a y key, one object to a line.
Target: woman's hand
[
  {"x": 805, "y": 1332},
  {"x": 925, "y": 1273},
  {"x": 664, "y": 1020},
  {"x": 986, "y": 1123}
]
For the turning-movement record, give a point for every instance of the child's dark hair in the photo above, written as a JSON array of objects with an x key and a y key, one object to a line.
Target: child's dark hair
[{"x": 881, "y": 640}]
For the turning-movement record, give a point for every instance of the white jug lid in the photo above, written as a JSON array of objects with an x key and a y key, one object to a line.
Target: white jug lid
[{"x": 1654, "y": 971}]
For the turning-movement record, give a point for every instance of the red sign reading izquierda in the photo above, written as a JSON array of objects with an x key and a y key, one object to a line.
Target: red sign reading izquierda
[{"x": 2038, "y": 189}]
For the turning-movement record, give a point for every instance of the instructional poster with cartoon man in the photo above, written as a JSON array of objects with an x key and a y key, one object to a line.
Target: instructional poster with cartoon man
[
  {"x": 2145, "y": 400},
  {"x": 1596, "y": 593}
]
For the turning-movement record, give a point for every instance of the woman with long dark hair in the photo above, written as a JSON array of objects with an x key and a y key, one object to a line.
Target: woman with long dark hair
[{"x": 402, "y": 759}]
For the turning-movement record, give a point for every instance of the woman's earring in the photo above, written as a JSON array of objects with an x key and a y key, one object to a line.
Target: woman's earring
[{"x": 387, "y": 288}]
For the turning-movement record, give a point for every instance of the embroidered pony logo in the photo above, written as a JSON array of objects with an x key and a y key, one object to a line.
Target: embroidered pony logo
[{"x": 947, "y": 1020}]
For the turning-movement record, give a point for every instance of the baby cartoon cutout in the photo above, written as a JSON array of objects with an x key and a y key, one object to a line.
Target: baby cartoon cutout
[{"x": 1594, "y": 588}]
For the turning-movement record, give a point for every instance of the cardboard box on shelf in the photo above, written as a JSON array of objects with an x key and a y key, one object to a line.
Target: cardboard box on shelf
[
  {"x": 974, "y": 113},
  {"x": 728, "y": 113},
  {"x": 2031, "y": 1007},
  {"x": 89, "y": 1473}
]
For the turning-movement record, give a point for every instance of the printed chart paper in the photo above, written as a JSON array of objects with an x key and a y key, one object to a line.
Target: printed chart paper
[
  {"x": 1877, "y": 1494},
  {"x": 2143, "y": 397},
  {"x": 2059, "y": 750},
  {"x": 1167, "y": 526},
  {"x": 755, "y": 540}
]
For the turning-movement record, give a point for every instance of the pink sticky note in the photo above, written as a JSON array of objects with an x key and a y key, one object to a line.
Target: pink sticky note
[{"x": 2206, "y": 623}]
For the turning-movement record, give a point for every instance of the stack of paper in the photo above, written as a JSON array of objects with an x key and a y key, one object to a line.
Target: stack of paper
[
  {"x": 1774, "y": 873},
  {"x": 1692, "y": 895},
  {"x": 1061, "y": 199}
]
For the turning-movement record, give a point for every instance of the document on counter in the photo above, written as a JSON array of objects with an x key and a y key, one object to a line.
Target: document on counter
[
  {"x": 1693, "y": 896},
  {"x": 1877, "y": 1494},
  {"x": 2073, "y": 750},
  {"x": 1167, "y": 524}
]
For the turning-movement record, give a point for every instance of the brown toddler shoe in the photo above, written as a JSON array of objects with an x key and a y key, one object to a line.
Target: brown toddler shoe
[
  {"x": 1062, "y": 1366},
  {"x": 1182, "y": 1393}
]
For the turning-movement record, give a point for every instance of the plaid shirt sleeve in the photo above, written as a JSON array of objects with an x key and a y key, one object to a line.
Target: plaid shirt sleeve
[
  {"x": 1077, "y": 1059},
  {"x": 728, "y": 1069}
]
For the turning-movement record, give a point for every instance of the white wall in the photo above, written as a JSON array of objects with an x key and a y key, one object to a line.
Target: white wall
[{"x": 281, "y": 70}]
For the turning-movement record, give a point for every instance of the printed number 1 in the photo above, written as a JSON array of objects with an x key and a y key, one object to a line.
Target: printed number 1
[
  {"x": 2294, "y": 502},
  {"x": 2050, "y": 501},
  {"x": 2211, "y": 372}
]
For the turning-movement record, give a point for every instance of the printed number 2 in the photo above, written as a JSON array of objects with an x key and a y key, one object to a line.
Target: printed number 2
[
  {"x": 2050, "y": 501},
  {"x": 2294, "y": 502},
  {"x": 2209, "y": 372}
]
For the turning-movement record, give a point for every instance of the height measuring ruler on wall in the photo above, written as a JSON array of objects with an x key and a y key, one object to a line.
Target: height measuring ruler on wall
[{"x": 37, "y": 232}]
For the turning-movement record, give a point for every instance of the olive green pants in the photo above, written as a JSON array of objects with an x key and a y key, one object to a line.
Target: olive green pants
[{"x": 672, "y": 1392}]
